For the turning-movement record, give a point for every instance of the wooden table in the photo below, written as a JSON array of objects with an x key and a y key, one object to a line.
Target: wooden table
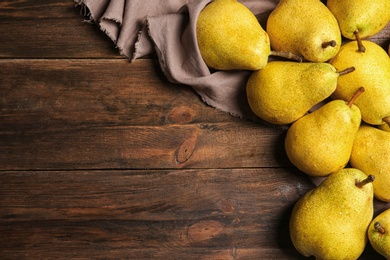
[{"x": 104, "y": 159}]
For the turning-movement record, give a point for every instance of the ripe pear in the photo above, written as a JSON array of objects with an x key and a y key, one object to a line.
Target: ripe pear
[
  {"x": 229, "y": 37},
  {"x": 372, "y": 71},
  {"x": 320, "y": 143},
  {"x": 331, "y": 220},
  {"x": 367, "y": 17},
  {"x": 371, "y": 154},
  {"x": 379, "y": 233},
  {"x": 305, "y": 27},
  {"x": 284, "y": 91}
]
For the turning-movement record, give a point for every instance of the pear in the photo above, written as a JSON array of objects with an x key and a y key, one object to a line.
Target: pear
[
  {"x": 320, "y": 143},
  {"x": 305, "y": 27},
  {"x": 372, "y": 71},
  {"x": 331, "y": 220},
  {"x": 230, "y": 37},
  {"x": 379, "y": 233},
  {"x": 370, "y": 153},
  {"x": 284, "y": 91},
  {"x": 365, "y": 17}
]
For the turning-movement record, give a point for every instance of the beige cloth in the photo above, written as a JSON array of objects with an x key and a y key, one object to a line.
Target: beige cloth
[{"x": 167, "y": 27}]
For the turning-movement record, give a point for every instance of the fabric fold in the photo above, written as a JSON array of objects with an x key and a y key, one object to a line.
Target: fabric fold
[{"x": 112, "y": 19}]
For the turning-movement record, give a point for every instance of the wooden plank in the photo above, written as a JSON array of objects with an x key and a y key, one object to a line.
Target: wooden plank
[
  {"x": 55, "y": 29},
  {"x": 37, "y": 9},
  {"x": 50, "y": 29},
  {"x": 135, "y": 240},
  {"x": 145, "y": 214},
  {"x": 211, "y": 213},
  {"x": 148, "y": 195},
  {"x": 54, "y": 38},
  {"x": 43, "y": 93},
  {"x": 220, "y": 145}
]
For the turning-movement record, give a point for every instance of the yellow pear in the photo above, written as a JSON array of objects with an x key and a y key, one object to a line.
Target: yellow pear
[
  {"x": 372, "y": 71},
  {"x": 305, "y": 27},
  {"x": 367, "y": 17},
  {"x": 379, "y": 233},
  {"x": 284, "y": 91},
  {"x": 371, "y": 154},
  {"x": 229, "y": 37},
  {"x": 320, "y": 143},
  {"x": 331, "y": 220}
]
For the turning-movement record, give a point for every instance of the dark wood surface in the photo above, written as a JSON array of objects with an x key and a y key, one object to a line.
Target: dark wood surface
[{"x": 101, "y": 158}]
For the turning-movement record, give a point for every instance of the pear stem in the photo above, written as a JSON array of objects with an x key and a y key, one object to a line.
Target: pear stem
[
  {"x": 361, "y": 47},
  {"x": 346, "y": 71},
  {"x": 387, "y": 120},
  {"x": 331, "y": 43},
  {"x": 288, "y": 55},
  {"x": 379, "y": 228},
  {"x": 370, "y": 178},
  {"x": 355, "y": 96}
]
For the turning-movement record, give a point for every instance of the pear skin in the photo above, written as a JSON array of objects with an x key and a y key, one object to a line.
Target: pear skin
[
  {"x": 379, "y": 233},
  {"x": 370, "y": 153},
  {"x": 284, "y": 91},
  {"x": 320, "y": 143},
  {"x": 365, "y": 16},
  {"x": 372, "y": 71},
  {"x": 331, "y": 220},
  {"x": 304, "y": 27},
  {"x": 230, "y": 37}
]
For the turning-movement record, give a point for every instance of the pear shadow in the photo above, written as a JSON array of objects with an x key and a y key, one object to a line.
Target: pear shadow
[
  {"x": 283, "y": 231},
  {"x": 280, "y": 154},
  {"x": 284, "y": 240},
  {"x": 370, "y": 254}
]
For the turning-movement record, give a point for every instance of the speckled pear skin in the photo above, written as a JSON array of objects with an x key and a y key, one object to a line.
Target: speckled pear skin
[
  {"x": 320, "y": 143},
  {"x": 380, "y": 242},
  {"x": 366, "y": 16},
  {"x": 372, "y": 71},
  {"x": 331, "y": 221},
  {"x": 284, "y": 91},
  {"x": 370, "y": 154},
  {"x": 230, "y": 37},
  {"x": 302, "y": 26}
]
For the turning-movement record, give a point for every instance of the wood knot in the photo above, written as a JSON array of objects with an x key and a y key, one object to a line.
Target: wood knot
[
  {"x": 204, "y": 230},
  {"x": 181, "y": 115},
  {"x": 186, "y": 149},
  {"x": 227, "y": 206}
]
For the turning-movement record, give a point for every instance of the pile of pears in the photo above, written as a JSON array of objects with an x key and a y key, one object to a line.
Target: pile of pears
[{"x": 331, "y": 87}]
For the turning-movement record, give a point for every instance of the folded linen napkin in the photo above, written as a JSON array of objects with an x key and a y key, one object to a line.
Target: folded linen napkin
[{"x": 167, "y": 27}]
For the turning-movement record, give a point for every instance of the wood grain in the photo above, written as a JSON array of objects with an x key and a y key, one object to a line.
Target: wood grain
[
  {"x": 101, "y": 158},
  {"x": 189, "y": 146},
  {"x": 50, "y": 29},
  {"x": 215, "y": 213},
  {"x": 92, "y": 92},
  {"x": 61, "y": 114}
]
